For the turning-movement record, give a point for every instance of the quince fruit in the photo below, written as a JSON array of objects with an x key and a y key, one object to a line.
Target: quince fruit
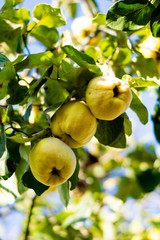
[
  {"x": 83, "y": 31},
  {"x": 51, "y": 161},
  {"x": 150, "y": 46},
  {"x": 108, "y": 97},
  {"x": 74, "y": 124}
]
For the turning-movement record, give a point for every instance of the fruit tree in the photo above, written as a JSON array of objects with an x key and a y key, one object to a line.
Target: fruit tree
[{"x": 74, "y": 82}]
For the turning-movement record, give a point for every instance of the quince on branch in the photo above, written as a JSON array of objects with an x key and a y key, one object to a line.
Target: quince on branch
[
  {"x": 74, "y": 124},
  {"x": 52, "y": 161},
  {"x": 84, "y": 31},
  {"x": 108, "y": 97}
]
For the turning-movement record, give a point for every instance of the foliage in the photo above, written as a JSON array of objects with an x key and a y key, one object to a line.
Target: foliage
[{"x": 34, "y": 85}]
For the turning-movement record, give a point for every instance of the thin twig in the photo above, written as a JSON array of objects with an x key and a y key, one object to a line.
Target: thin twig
[
  {"x": 8, "y": 190},
  {"x": 27, "y": 232}
]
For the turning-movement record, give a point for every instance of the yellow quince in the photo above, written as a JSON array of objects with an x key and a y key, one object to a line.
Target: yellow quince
[
  {"x": 52, "y": 161},
  {"x": 108, "y": 97},
  {"x": 83, "y": 31},
  {"x": 74, "y": 124}
]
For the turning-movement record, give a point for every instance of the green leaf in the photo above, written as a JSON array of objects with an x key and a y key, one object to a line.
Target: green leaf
[
  {"x": 127, "y": 125},
  {"x": 17, "y": 92},
  {"x": 19, "y": 139},
  {"x": 6, "y": 74},
  {"x": 155, "y": 22},
  {"x": 38, "y": 60},
  {"x": 71, "y": 8},
  {"x": 139, "y": 82},
  {"x": 15, "y": 2},
  {"x": 63, "y": 190},
  {"x": 2, "y": 140},
  {"x": 122, "y": 56},
  {"x": 18, "y": 59},
  {"x": 4, "y": 115},
  {"x": 13, "y": 150},
  {"x": 48, "y": 16},
  {"x": 93, "y": 53},
  {"x": 107, "y": 46},
  {"x": 18, "y": 16},
  {"x": 82, "y": 59},
  {"x": 111, "y": 133},
  {"x": 100, "y": 19},
  {"x": 47, "y": 36},
  {"x": 28, "y": 112},
  {"x": 20, "y": 170},
  {"x": 29, "y": 181},
  {"x": 9, "y": 4},
  {"x": 54, "y": 92},
  {"x": 53, "y": 107},
  {"x": 145, "y": 68},
  {"x": 77, "y": 79},
  {"x": 74, "y": 178},
  {"x": 3, "y": 60},
  {"x": 128, "y": 187},
  {"x": 129, "y": 15},
  {"x": 138, "y": 107},
  {"x": 3, "y": 152},
  {"x": 156, "y": 122},
  {"x": 148, "y": 179},
  {"x": 10, "y": 35}
]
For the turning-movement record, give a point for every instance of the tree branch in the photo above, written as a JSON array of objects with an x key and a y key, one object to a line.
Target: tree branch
[{"x": 27, "y": 232}]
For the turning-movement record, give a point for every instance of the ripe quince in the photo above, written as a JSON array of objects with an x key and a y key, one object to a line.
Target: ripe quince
[
  {"x": 150, "y": 46},
  {"x": 51, "y": 161},
  {"x": 74, "y": 124},
  {"x": 108, "y": 97},
  {"x": 82, "y": 27}
]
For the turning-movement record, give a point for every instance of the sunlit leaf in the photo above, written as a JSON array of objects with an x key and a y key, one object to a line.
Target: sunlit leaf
[
  {"x": 138, "y": 107},
  {"x": 3, "y": 60},
  {"x": 21, "y": 168},
  {"x": 127, "y": 125},
  {"x": 145, "y": 68},
  {"x": 139, "y": 82},
  {"x": 47, "y": 36},
  {"x": 82, "y": 59},
  {"x": 18, "y": 16},
  {"x": 129, "y": 15},
  {"x": 48, "y": 16},
  {"x": 38, "y": 60},
  {"x": 63, "y": 190},
  {"x": 155, "y": 22},
  {"x": 100, "y": 19}
]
